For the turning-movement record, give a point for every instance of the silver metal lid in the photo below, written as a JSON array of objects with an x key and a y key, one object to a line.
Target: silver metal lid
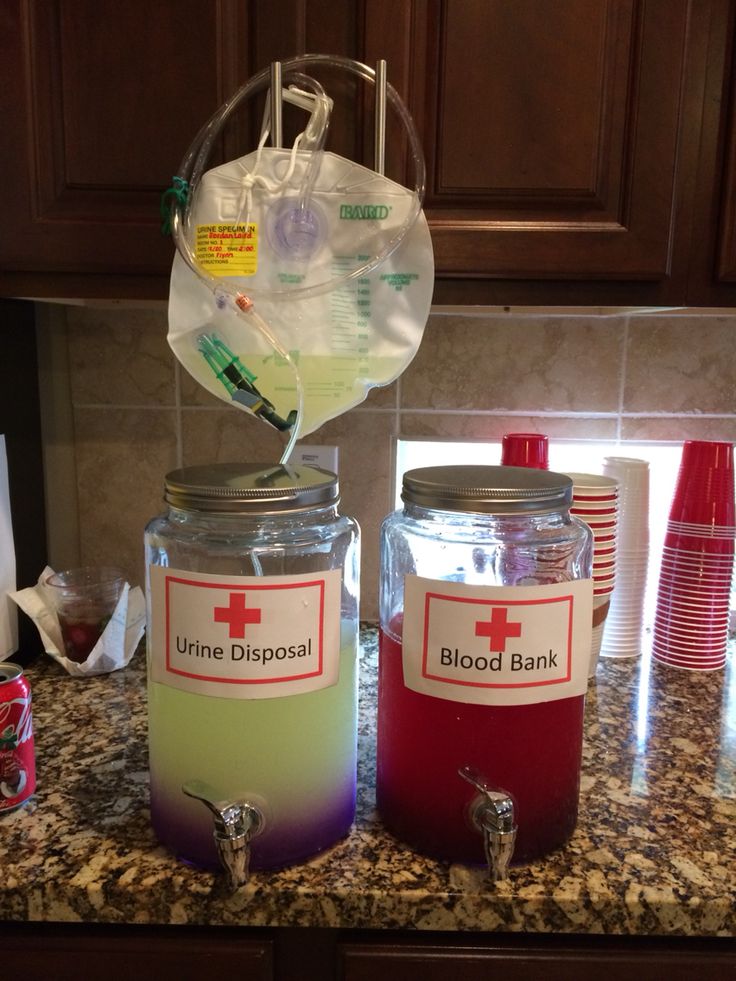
[
  {"x": 250, "y": 488},
  {"x": 487, "y": 490}
]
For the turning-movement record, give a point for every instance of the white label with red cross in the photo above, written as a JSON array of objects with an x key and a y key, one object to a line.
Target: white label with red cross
[
  {"x": 497, "y": 645},
  {"x": 245, "y": 636}
]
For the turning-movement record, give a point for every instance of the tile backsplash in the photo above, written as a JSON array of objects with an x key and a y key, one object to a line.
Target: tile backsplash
[{"x": 120, "y": 412}]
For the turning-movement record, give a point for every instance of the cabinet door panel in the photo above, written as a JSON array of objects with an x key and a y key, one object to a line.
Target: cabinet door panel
[
  {"x": 437, "y": 963},
  {"x": 551, "y": 132},
  {"x": 107, "y": 101},
  {"x": 726, "y": 243},
  {"x": 102, "y": 101}
]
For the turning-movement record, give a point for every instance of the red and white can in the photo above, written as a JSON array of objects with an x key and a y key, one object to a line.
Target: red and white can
[{"x": 17, "y": 755}]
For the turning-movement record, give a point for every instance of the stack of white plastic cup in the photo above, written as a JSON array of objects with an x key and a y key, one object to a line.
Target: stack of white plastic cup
[
  {"x": 595, "y": 501},
  {"x": 622, "y": 634}
]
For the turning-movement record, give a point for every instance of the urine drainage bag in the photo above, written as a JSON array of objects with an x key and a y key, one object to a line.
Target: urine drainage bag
[{"x": 302, "y": 279}]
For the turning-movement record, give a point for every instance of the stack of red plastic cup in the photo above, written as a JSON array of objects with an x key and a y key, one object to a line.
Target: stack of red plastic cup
[
  {"x": 691, "y": 619},
  {"x": 595, "y": 501},
  {"x": 525, "y": 450}
]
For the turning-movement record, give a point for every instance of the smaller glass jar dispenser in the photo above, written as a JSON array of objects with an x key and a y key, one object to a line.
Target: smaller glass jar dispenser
[
  {"x": 486, "y": 622},
  {"x": 252, "y": 605}
]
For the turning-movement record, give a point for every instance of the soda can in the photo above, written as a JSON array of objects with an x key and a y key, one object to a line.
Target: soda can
[{"x": 17, "y": 754}]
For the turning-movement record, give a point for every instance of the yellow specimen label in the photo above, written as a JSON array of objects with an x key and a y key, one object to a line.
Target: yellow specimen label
[{"x": 229, "y": 249}]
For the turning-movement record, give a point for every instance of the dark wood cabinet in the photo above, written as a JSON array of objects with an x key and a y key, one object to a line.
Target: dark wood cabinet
[
  {"x": 577, "y": 152},
  {"x": 535, "y": 959},
  {"x": 551, "y": 134},
  {"x": 150, "y": 953}
]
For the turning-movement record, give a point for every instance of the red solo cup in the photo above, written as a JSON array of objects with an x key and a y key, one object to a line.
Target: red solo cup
[
  {"x": 603, "y": 575},
  {"x": 704, "y": 492},
  {"x": 695, "y": 631},
  {"x": 706, "y": 502},
  {"x": 593, "y": 485},
  {"x": 587, "y": 497},
  {"x": 703, "y": 662},
  {"x": 715, "y": 665},
  {"x": 697, "y": 561},
  {"x": 703, "y": 623},
  {"x": 709, "y": 454},
  {"x": 707, "y": 531},
  {"x": 695, "y": 587},
  {"x": 604, "y": 568},
  {"x": 692, "y": 607},
  {"x": 603, "y": 539},
  {"x": 685, "y": 654},
  {"x": 698, "y": 625},
  {"x": 672, "y": 595},
  {"x": 683, "y": 640},
  {"x": 697, "y": 661},
  {"x": 695, "y": 576},
  {"x": 673, "y": 646},
  {"x": 588, "y": 510},
  {"x": 701, "y": 629},
  {"x": 525, "y": 450},
  {"x": 702, "y": 544},
  {"x": 681, "y": 558},
  {"x": 598, "y": 520}
]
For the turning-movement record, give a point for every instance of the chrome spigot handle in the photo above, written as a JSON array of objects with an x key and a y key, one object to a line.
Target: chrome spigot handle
[
  {"x": 492, "y": 813},
  {"x": 236, "y": 824}
]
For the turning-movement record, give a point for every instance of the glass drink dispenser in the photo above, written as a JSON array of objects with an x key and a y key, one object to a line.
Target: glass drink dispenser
[
  {"x": 486, "y": 622},
  {"x": 252, "y": 593}
]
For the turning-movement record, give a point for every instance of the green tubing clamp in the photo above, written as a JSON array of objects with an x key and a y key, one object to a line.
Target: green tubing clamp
[
  {"x": 179, "y": 192},
  {"x": 235, "y": 377}
]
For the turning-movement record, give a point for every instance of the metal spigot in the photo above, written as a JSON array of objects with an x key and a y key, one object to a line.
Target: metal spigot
[
  {"x": 492, "y": 813},
  {"x": 236, "y": 824}
]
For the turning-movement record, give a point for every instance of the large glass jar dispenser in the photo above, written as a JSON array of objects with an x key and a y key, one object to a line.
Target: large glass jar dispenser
[
  {"x": 486, "y": 622},
  {"x": 252, "y": 594}
]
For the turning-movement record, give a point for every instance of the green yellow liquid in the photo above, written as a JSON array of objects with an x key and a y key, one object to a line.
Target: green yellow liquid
[{"x": 295, "y": 756}]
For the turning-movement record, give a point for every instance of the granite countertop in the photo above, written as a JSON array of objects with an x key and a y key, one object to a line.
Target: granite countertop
[{"x": 654, "y": 851}]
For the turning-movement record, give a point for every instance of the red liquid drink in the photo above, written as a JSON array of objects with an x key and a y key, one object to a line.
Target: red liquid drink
[
  {"x": 485, "y": 646},
  {"x": 85, "y": 600},
  {"x": 531, "y": 751},
  {"x": 80, "y": 634}
]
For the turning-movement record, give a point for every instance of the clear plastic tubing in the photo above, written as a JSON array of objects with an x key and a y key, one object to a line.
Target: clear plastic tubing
[{"x": 195, "y": 161}]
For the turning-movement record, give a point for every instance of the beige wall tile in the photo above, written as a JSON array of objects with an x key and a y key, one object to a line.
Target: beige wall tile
[
  {"x": 122, "y": 456},
  {"x": 364, "y": 441},
  {"x": 119, "y": 357},
  {"x": 526, "y": 363},
  {"x": 681, "y": 364},
  {"x": 472, "y": 370},
  {"x": 440, "y": 425},
  {"x": 192, "y": 393},
  {"x": 227, "y": 435},
  {"x": 678, "y": 428}
]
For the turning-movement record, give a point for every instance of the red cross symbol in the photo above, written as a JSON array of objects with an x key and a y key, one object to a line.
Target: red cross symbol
[
  {"x": 498, "y": 630},
  {"x": 236, "y": 615}
]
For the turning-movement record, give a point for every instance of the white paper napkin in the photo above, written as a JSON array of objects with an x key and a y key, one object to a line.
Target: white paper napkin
[{"x": 117, "y": 643}]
